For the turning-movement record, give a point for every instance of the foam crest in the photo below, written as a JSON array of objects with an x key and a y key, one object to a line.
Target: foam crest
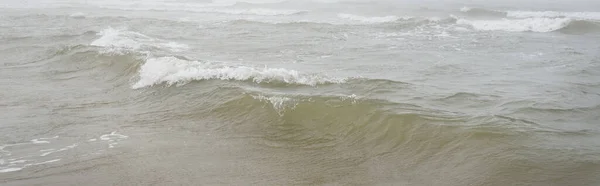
[
  {"x": 553, "y": 14},
  {"x": 279, "y": 103},
  {"x": 121, "y": 41},
  {"x": 370, "y": 20},
  {"x": 172, "y": 70},
  {"x": 520, "y": 25}
]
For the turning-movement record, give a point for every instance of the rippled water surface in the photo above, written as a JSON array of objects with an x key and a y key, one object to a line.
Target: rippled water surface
[{"x": 322, "y": 92}]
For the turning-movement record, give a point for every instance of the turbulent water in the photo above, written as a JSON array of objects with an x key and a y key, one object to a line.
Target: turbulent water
[{"x": 322, "y": 92}]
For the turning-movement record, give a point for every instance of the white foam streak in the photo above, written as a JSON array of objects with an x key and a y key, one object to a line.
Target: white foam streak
[
  {"x": 59, "y": 150},
  {"x": 172, "y": 70},
  {"x": 520, "y": 25},
  {"x": 371, "y": 20},
  {"x": 37, "y": 141},
  {"x": 10, "y": 169},
  {"x": 113, "y": 136}
]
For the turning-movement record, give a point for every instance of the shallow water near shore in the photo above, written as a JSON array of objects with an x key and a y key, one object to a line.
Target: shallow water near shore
[{"x": 299, "y": 92}]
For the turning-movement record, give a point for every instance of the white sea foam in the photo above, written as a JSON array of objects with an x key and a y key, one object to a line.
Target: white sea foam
[
  {"x": 172, "y": 70},
  {"x": 37, "y": 141},
  {"x": 12, "y": 169},
  {"x": 59, "y": 150},
  {"x": 27, "y": 155},
  {"x": 78, "y": 15},
  {"x": 518, "y": 25},
  {"x": 465, "y": 9},
  {"x": 113, "y": 136},
  {"x": 553, "y": 14},
  {"x": 279, "y": 103},
  {"x": 369, "y": 20},
  {"x": 121, "y": 41}
]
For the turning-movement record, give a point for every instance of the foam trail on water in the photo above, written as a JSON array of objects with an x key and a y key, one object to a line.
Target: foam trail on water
[
  {"x": 172, "y": 70},
  {"x": 520, "y": 25}
]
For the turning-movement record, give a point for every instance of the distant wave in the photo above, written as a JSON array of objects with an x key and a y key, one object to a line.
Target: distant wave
[
  {"x": 363, "y": 19},
  {"x": 230, "y": 11},
  {"x": 532, "y": 25},
  {"x": 521, "y": 25},
  {"x": 530, "y": 14},
  {"x": 480, "y": 12},
  {"x": 552, "y": 14},
  {"x": 173, "y": 70},
  {"x": 254, "y": 11}
]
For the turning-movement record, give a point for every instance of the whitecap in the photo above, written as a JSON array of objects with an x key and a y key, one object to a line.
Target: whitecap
[
  {"x": 553, "y": 14},
  {"x": 279, "y": 103},
  {"x": 172, "y": 70},
  {"x": 518, "y": 25},
  {"x": 119, "y": 41}
]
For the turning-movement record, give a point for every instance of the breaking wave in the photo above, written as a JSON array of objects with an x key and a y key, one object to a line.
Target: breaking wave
[
  {"x": 173, "y": 70},
  {"x": 480, "y": 12},
  {"x": 552, "y": 14},
  {"x": 119, "y": 41},
  {"x": 530, "y": 14},
  {"x": 518, "y": 25},
  {"x": 565, "y": 25}
]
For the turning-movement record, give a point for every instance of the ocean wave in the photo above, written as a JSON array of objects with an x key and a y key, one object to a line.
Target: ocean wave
[
  {"x": 254, "y": 11},
  {"x": 480, "y": 12},
  {"x": 530, "y": 14},
  {"x": 210, "y": 10},
  {"x": 78, "y": 15},
  {"x": 318, "y": 121},
  {"x": 518, "y": 25},
  {"x": 349, "y": 19},
  {"x": 374, "y": 20},
  {"x": 173, "y": 70},
  {"x": 553, "y": 14},
  {"x": 120, "y": 41}
]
